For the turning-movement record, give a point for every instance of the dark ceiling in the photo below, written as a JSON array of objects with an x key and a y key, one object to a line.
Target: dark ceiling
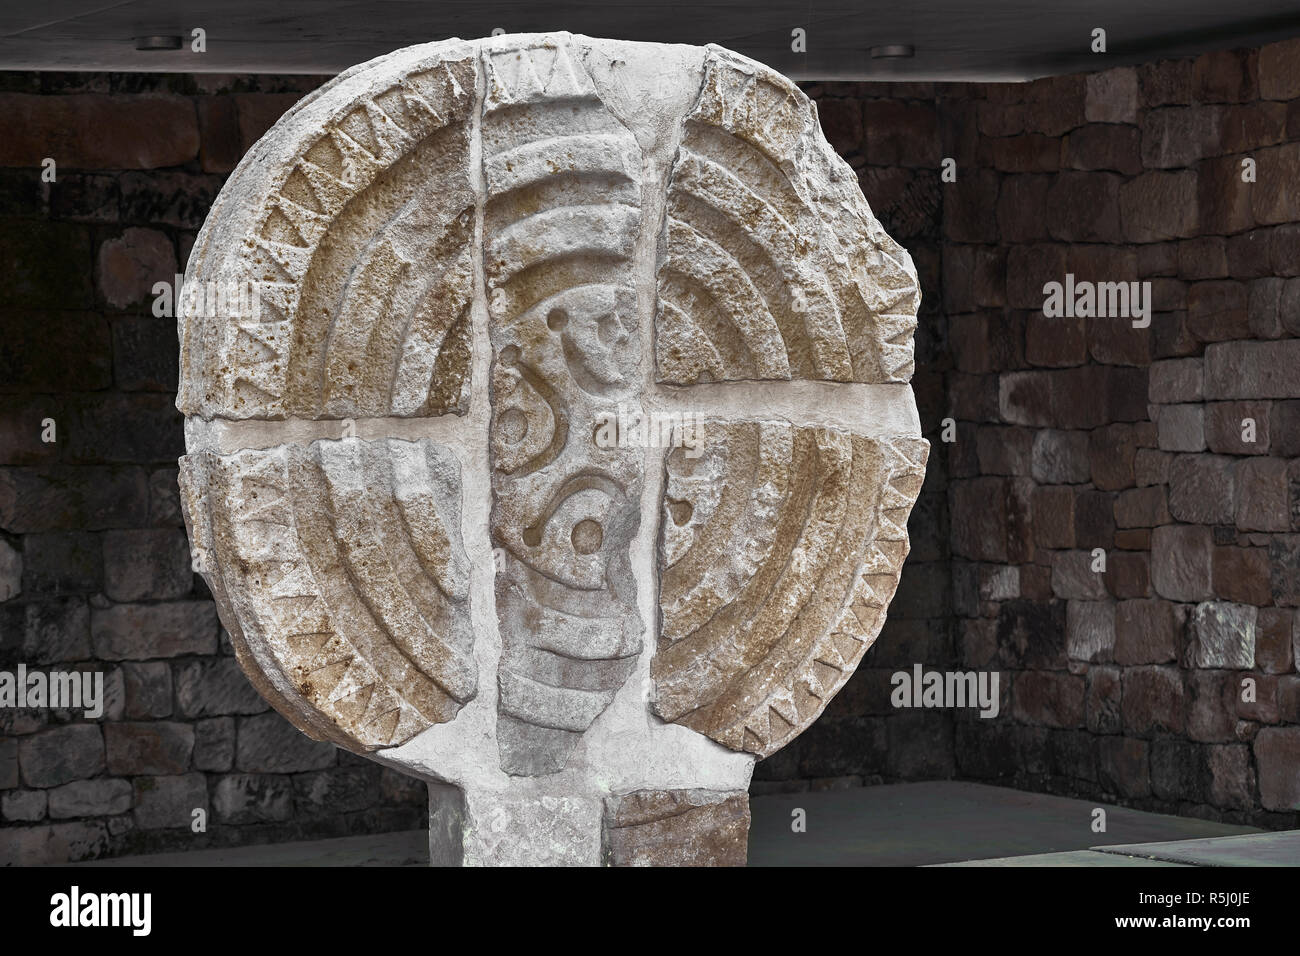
[{"x": 953, "y": 39}]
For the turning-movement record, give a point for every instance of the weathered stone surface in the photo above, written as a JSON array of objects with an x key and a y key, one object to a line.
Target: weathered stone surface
[
  {"x": 1084, "y": 207},
  {"x": 168, "y": 802},
  {"x": 94, "y": 131},
  {"x": 1031, "y": 634},
  {"x": 1022, "y": 213},
  {"x": 1102, "y": 704},
  {"x": 1264, "y": 307},
  {"x": 1222, "y": 634},
  {"x": 267, "y": 743},
  {"x": 1231, "y": 775},
  {"x": 1112, "y": 96},
  {"x": 1274, "y": 203},
  {"x": 676, "y": 828},
  {"x": 1212, "y": 700},
  {"x": 1094, "y": 519},
  {"x": 1279, "y": 76},
  {"x": 1003, "y": 450},
  {"x": 145, "y": 564},
  {"x": 1287, "y": 306},
  {"x": 1273, "y": 629},
  {"x": 1224, "y": 201},
  {"x": 1128, "y": 573},
  {"x": 1181, "y": 562},
  {"x": 11, "y": 571},
  {"x": 1152, "y": 701},
  {"x": 1133, "y": 539},
  {"x": 1104, "y": 146},
  {"x": 1226, "y": 76},
  {"x": 342, "y": 171},
  {"x": 1288, "y": 697},
  {"x": 1181, "y": 427},
  {"x": 148, "y": 690},
  {"x": 660, "y": 227},
  {"x": 1238, "y": 428},
  {"x": 1151, "y": 467},
  {"x": 130, "y": 264},
  {"x": 1000, "y": 583},
  {"x": 1159, "y": 205},
  {"x": 1147, "y": 632},
  {"x": 1123, "y": 766},
  {"x": 33, "y": 846},
  {"x": 1142, "y": 508},
  {"x": 1073, "y": 576},
  {"x": 401, "y": 789},
  {"x": 1165, "y": 82},
  {"x": 44, "y": 632},
  {"x": 24, "y": 806},
  {"x": 161, "y": 747},
  {"x": 1262, "y": 497},
  {"x": 1252, "y": 369},
  {"x": 1262, "y": 707},
  {"x": 1218, "y": 310},
  {"x": 252, "y": 798},
  {"x": 143, "y": 631},
  {"x": 8, "y": 763},
  {"x": 1060, "y": 457},
  {"x": 1111, "y": 452},
  {"x": 1049, "y": 698},
  {"x": 60, "y": 755},
  {"x": 1053, "y": 509},
  {"x": 1090, "y": 630},
  {"x": 565, "y": 338},
  {"x": 66, "y": 498},
  {"x": 1179, "y": 136},
  {"x": 1284, "y": 569},
  {"x": 353, "y": 617},
  {"x": 209, "y": 688},
  {"x": 214, "y": 744},
  {"x": 338, "y": 790},
  {"x": 90, "y": 798},
  {"x": 1241, "y": 575},
  {"x": 749, "y": 652},
  {"x": 1277, "y": 754},
  {"x": 1283, "y": 245},
  {"x": 1176, "y": 380},
  {"x": 1201, "y": 488},
  {"x": 1203, "y": 258},
  {"x": 747, "y": 289}
]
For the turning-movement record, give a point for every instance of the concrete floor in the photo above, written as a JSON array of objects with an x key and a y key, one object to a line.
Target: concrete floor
[
  {"x": 918, "y": 824},
  {"x": 914, "y": 824},
  {"x": 1252, "y": 849},
  {"x": 405, "y": 848}
]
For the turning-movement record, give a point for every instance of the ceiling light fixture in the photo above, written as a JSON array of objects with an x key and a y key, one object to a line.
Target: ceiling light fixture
[
  {"x": 892, "y": 50},
  {"x": 159, "y": 42}
]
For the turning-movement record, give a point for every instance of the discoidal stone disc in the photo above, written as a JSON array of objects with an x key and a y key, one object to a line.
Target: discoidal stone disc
[{"x": 549, "y": 433}]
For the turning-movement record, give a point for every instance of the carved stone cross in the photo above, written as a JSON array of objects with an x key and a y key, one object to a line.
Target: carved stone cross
[{"x": 561, "y": 450}]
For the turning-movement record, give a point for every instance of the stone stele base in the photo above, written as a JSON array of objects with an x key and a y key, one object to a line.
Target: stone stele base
[{"x": 549, "y": 433}]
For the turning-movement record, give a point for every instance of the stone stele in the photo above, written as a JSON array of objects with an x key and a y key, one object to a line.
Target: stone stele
[{"x": 549, "y": 433}]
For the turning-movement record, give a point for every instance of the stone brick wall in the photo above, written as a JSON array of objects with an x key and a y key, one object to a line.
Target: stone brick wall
[
  {"x": 1086, "y": 436},
  {"x": 94, "y": 563},
  {"x": 1071, "y": 435}
]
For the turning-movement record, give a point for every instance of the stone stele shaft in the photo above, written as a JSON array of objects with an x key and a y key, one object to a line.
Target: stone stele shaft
[{"x": 549, "y": 433}]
